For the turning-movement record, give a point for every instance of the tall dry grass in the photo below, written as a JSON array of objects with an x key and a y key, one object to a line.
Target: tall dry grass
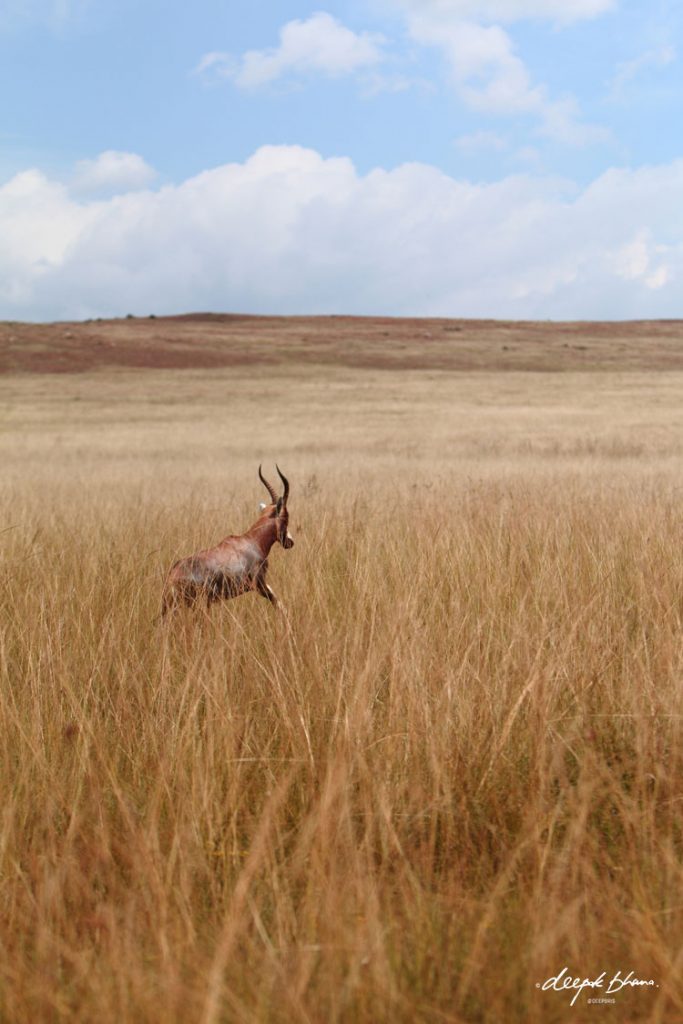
[{"x": 453, "y": 769}]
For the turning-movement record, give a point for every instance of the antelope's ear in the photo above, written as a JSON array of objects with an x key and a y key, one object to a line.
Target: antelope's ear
[{"x": 262, "y": 506}]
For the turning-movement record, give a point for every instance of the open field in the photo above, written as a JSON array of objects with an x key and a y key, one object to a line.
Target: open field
[{"x": 456, "y": 765}]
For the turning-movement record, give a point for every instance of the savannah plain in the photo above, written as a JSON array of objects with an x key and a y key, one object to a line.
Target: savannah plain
[{"x": 450, "y": 769}]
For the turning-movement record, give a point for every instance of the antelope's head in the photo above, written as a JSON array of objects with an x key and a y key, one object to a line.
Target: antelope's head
[{"x": 277, "y": 509}]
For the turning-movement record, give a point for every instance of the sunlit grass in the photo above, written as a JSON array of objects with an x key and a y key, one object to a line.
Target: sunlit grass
[{"x": 453, "y": 768}]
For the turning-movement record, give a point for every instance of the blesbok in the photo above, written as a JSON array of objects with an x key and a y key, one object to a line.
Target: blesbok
[{"x": 237, "y": 565}]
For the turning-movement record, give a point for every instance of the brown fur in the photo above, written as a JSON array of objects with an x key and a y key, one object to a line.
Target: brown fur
[{"x": 236, "y": 565}]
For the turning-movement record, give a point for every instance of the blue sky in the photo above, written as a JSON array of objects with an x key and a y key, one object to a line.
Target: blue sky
[{"x": 518, "y": 158}]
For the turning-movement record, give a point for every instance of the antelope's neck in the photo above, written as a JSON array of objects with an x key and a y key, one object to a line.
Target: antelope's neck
[{"x": 264, "y": 532}]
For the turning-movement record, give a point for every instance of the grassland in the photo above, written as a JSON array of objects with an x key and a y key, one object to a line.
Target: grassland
[{"x": 452, "y": 769}]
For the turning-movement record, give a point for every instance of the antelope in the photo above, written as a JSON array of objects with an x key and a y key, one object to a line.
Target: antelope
[{"x": 237, "y": 565}]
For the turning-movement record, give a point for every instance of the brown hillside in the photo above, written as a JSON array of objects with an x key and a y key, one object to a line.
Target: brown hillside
[{"x": 216, "y": 340}]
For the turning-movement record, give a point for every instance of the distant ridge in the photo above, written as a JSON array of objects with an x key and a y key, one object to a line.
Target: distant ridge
[{"x": 221, "y": 340}]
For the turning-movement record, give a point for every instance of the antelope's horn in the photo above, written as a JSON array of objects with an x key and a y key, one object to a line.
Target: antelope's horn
[
  {"x": 285, "y": 482},
  {"x": 268, "y": 487}
]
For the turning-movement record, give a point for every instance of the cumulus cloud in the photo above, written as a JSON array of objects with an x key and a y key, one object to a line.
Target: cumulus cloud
[
  {"x": 38, "y": 223},
  {"x": 490, "y": 77},
  {"x": 289, "y": 231},
  {"x": 642, "y": 259},
  {"x": 320, "y": 44},
  {"x": 112, "y": 171}
]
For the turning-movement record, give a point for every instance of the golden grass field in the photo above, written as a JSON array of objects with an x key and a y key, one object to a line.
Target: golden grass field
[{"x": 451, "y": 769}]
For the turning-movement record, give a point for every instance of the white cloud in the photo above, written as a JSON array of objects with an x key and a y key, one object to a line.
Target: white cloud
[
  {"x": 659, "y": 277},
  {"x": 290, "y": 231},
  {"x": 475, "y": 142},
  {"x": 643, "y": 260},
  {"x": 112, "y": 171},
  {"x": 528, "y": 155},
  {"x": 53, "y": 13},
  {"x": 217, "y": 62},
  {"x": 454, "y": 11},
  {"x": 630, "y": 69},
  {"x": 632, "y": 260},
  {"x": 320, "y": 44},
  {"x": 38, "y": 223},
  {"x": 485, "y": 70},
  {"x": 491, "y": 78}
]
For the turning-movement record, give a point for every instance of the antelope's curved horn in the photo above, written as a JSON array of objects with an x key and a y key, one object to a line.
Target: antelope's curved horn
[
  {"x": 285, "y": 482},
  {"x": 268, "y": 487}
]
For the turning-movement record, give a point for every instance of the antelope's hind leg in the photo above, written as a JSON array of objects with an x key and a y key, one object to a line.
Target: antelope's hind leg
[{"x": 265, "y": 591}]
